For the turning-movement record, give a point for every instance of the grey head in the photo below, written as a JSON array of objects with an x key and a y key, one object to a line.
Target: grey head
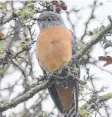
[{"x": 49, "y": 18}]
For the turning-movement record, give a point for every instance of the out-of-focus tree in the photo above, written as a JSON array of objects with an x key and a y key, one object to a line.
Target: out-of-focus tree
[{"x": 20, "y": 78}]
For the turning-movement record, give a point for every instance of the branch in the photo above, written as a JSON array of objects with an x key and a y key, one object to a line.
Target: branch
[
  {"x": 83, "y": 111},
  {"x": 38, "y": 87},
  {"x": 24, "y": 97},
  {"x": 94, "y": 41},
  {"x": 99, "y": 99},
  {"x": 89, "y": 19}
]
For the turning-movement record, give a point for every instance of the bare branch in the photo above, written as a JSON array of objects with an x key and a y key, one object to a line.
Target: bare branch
[
  {"x": 91, "y": 104},
  {"x": 94, "y": 41},
  {"x": 24, "y": 97}
]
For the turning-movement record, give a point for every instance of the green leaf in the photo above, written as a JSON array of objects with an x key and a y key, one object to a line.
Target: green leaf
[
  {"x": 2, "y": 6},
  {"x": 18, "y": 60},
  {"x": 24, "y": 42},
  {"x": 26, "y": 12},
  {"x": 83, "y": 113}
]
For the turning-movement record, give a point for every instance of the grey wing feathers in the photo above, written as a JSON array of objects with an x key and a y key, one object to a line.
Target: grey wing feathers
[
  {"x": 74, "y": 52},
  {"x": 54, "y": 95},
  {"x": 74, "y": 44}
]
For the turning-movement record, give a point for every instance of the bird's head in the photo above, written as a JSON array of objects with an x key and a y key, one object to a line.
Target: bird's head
[{"x": 49, "y": 18}]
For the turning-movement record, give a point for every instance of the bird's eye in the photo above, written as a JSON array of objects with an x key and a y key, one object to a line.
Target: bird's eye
[{"x": 49, "y": 19}]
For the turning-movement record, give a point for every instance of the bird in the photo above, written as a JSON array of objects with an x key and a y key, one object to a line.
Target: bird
[{"x": 55, "y": 47}]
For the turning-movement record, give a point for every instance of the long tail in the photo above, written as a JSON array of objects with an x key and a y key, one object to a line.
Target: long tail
[
  {"x": 66, "y": 100},
  {"x": 73, "y": 111}
]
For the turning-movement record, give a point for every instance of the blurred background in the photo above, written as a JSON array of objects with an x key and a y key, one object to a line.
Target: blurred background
[{"x": 19, "y": 68}]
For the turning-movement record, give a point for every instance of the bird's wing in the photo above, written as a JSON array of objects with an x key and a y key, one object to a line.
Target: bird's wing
[
  {"x": 76, "y": 85},
  {"x": 55, "y": 96}
]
